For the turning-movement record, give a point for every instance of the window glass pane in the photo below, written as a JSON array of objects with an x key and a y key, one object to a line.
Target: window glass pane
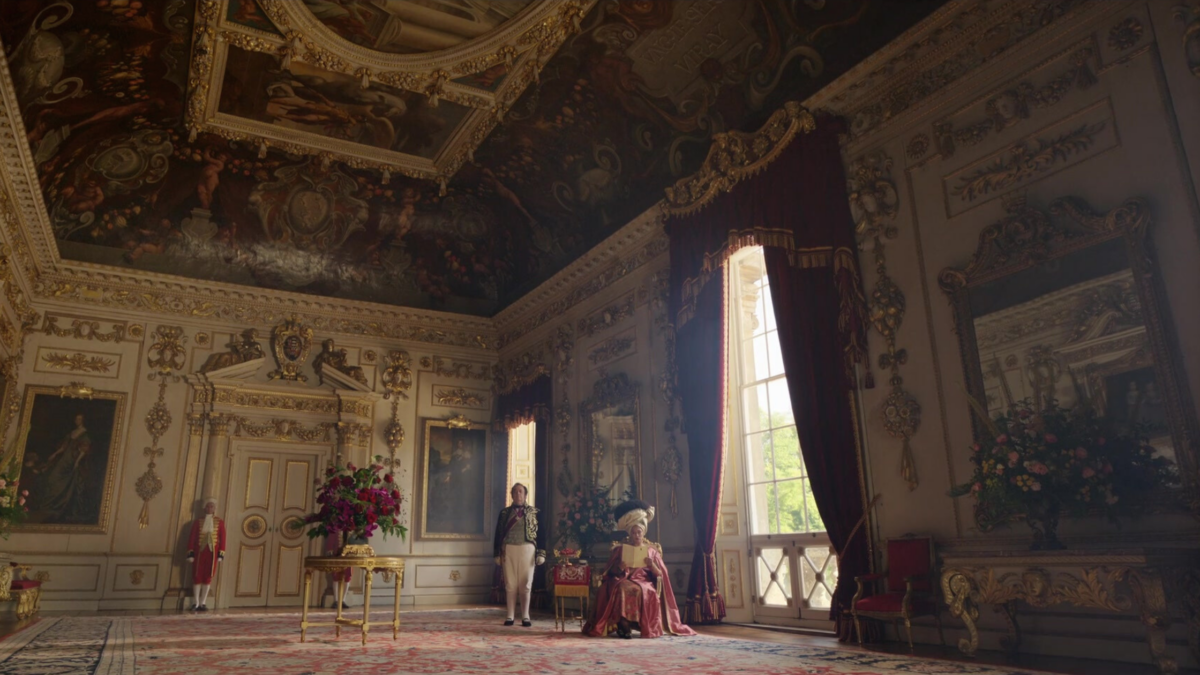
[
  {"x": 818, "y": 576},
  {"x": 756, "y": 365},
  {"x": 785, "y": 450},
  {"x": 775, "y": 358},
  {"x": 768, "y": 311},
  {"x": 758, "y": 457},
  {"x": 774, "y": 580},
  {"x": 762, "y": 509},
  {"x": 815, "y": 524},
  {"x": 781, "y": 403},
  {"x": 755, "y": 414},
  {"x": 791, "y": 506}
]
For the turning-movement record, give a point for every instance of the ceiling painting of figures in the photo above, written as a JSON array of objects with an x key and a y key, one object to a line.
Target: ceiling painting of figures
[
  {"x": 413, "y": 26},
  {"x": 626, "y": 105}
]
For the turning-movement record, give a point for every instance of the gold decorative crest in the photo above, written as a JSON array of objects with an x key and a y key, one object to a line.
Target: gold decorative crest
[{"x": 290, "y": 341}]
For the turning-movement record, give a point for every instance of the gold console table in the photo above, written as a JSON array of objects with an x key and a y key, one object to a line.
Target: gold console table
[
  {"x": 1144, "y": 581},
  {"x": 386, "y": 565}
]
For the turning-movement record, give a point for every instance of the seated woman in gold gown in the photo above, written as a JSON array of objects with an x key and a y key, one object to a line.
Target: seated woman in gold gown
[{"x": 629, "y": 597}]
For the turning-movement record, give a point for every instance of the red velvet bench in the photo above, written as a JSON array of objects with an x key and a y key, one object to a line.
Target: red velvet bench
[{"x": 27, "y": 592}]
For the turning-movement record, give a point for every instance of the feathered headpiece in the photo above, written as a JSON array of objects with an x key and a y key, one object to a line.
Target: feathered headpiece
[{"x": 633, "y": 512}]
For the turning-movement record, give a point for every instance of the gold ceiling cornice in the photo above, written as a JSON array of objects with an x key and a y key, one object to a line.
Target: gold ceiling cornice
[
  {"x": 525, "y": 43},
  {"x": 736, "y": 155}
]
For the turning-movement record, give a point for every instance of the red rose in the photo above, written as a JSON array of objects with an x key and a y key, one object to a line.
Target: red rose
[{"x": 387, "y": 478}]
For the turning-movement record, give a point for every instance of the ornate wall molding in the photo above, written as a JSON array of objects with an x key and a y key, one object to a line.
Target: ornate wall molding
[
  {"x": 464, "y": 370},
  {"x": 459, "y": 397},
  {"x": 77, "y": 362},
  {"x": 166, "y": 357},
  {"x": 563, "y": 347},
  {"x": 613, "y": 349},
  {"x": 603, "y": 319},
  {"x": 875, "y": 204}
]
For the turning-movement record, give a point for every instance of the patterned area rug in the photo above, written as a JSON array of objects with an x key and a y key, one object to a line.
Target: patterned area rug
[{"x": 455, "y": 641}]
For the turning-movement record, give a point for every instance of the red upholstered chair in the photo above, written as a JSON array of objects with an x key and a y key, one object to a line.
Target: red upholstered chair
[{"x": 909, "y": 588}]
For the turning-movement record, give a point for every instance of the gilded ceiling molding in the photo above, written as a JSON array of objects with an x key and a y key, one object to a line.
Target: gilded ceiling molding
[
  {"x": 1189, "y": 15},
  {"x": 874, "y": 204},
  {"x": 736, "y": 155},
  {"x": 523, "y": 43},
  {"x": 940, "y": 52}
]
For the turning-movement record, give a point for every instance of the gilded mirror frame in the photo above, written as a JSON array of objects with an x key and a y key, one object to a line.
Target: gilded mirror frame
[
  {"x": 606, "y": 393},
  {"x": 1026, "y": 238}
]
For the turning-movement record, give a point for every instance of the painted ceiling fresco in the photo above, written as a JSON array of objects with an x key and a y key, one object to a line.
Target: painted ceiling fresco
[{"x": 627, "y": 106}]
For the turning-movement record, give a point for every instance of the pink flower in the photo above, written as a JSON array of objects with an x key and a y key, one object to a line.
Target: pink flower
[
  {"x": 1040, "y": 469},
  {"x": 1051, "y": 438},
  {"x": 977, "y": 487},
  {"x": 1088, "y": 472},
  {"x": 975, "y": 448},
  {"x": 999, "y": 470},
  {"x": 24, "y": 493},
  {"x": 578, "y": 516},
  {"x": 1002, "y": 439},
  {"x": 1013, "y": 457},
  {"x": 1111, "y": 499},
  {"x": 21, "y": 501},
  {"x": 1036, "y": 486},
  {"x": 1080, "y": 453}
]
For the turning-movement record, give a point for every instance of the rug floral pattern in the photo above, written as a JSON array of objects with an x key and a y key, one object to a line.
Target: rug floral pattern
[{"x": 463, "y": 641}]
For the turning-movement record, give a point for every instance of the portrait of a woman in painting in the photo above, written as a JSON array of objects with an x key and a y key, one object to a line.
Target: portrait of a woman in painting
[{"x": 66, "y": 458}]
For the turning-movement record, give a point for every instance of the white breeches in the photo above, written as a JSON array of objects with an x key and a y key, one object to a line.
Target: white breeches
[{"x": 518, "y": 576}]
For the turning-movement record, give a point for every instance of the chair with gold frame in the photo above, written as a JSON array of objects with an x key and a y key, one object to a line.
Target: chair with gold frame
[{"x": 909, "y": 592}]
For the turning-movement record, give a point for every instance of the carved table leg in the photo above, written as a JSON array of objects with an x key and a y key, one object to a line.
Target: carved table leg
[
  {"x": 396, "y": 611},
  {"x": 1011, "y": 642},
  {"x": 308, "y": 575},
  {"x": 366, "y": 606},
  {"x": 1151, "y": 599},
  {"x": 956, "y": 589}
]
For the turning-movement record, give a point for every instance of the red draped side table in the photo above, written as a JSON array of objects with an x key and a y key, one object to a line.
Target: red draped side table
[{"x": 571, "y": 580}]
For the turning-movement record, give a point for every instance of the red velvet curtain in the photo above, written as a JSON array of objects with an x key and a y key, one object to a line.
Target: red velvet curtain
[
  {"x": 701, "y": 343},
  {"x": 530, "y": 403},
  {"x": 798, "y": 211}
]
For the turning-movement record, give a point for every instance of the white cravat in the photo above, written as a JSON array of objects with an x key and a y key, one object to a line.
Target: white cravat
[{"x": 207, "y": 527}]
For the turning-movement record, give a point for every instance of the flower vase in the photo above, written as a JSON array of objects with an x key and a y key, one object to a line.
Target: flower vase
[
  {"x": 355, "y": 546},
  {"x": 1044, "y": 523}
]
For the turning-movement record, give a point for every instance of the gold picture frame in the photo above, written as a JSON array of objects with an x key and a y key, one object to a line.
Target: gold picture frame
[
  {"x": 455, "y": 481},
  {"x": 44, "y": 454}
]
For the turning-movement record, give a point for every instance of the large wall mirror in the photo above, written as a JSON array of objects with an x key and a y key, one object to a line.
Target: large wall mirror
[
  {"x": 1068, "y": 306},
  {"x": 611, "y": 436}
]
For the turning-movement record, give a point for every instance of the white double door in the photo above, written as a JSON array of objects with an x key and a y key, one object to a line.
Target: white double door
[{"x": 271, "y": 492}]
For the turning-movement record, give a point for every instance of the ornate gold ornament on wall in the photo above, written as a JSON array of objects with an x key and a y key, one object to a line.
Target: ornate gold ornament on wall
[
  {"x": 458, "y": 422},
  {"x": 1026, "y": 160},
  {"x": 521, "y": 370},
  {"x": 136, "y": 577},
  {"x": 397, "y": 376},
  {"x": 76, "y": 390},
  {"x": 290, "y": 341},
  {"x": 522, "y": 44},
  {"x": 165, "y": 355},
  {"x": 1013, "y": 105},
  {"x": 83, "y": 329},
  {"x": 735, "y": 155},
  {"x": 241, "y": 349},
  {"x": 78, "y": 363},
  {"x": 877, "y": 205},
  {"x": 917, "y": 146},
  {"x": 369, "y": 356},
  {"x": 202, "y": 339},
  {"x": 336, "y": 359},
  {"x": 464, "y": 370},
  {"x": 873, "y": 199},
  {"x": 1125, "y": 34},
  {"x": 1189, "y": 15},
  {"x": 459, "y": 397},
  {"x": 608, "y": 317},
  {"x": 613, "y": 349},
  {"x": 282, "y": 429}
]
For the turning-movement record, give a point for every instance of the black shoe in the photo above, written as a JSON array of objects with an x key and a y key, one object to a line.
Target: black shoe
[
  {"x": 526, "y": 623},
  {"x": 345, "y": 606},
  {"x": 508, "y": 622},
  {"x": 202, "y": 608}
]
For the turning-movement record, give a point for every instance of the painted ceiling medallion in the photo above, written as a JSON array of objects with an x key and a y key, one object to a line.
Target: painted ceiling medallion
[{"x": 404, "y": 87}]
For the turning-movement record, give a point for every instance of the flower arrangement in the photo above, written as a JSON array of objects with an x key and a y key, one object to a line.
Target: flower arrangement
[
  {"x": 586, "y": 517},
  {"x": 12, "y": 503},
  {"x": 1038, "y": 463},
  {"x": 356, "y": 502}
]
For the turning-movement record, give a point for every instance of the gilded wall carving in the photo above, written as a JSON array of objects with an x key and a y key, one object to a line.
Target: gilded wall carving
[
  {"x": 874, "y": 205},
  {"x": 607, "y": 317},
  {"x": 464, "y": 370},
  {"x": 165, "y": 357},
  {"x": 563, "y": 346},
  {"x": 78, "y": 362}
]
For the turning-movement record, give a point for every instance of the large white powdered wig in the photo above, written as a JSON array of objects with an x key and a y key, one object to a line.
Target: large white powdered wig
[{"x": 633, "y": 512}]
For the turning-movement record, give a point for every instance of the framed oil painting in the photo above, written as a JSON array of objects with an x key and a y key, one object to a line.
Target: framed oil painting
[
  {"x": 454, "y": 481},
  {"x": 68, "y": 454}
]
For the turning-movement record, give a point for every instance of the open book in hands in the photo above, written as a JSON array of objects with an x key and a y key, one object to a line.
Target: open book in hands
[{"x": 634, "y": 556}]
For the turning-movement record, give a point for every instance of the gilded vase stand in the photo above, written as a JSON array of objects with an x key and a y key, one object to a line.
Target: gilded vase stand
[{"x": 385, "y": 565}]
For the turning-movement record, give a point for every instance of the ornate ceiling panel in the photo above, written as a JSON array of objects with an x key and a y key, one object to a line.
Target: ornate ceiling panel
[{"x": 298, "y": 146}]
